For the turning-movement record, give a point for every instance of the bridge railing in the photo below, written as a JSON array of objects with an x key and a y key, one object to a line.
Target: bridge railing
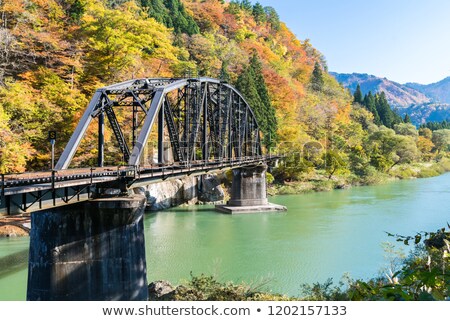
[{"x": 121, "y": 172}]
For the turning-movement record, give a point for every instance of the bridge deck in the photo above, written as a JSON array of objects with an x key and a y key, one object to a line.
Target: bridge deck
[{"x": 27, "y": 192}]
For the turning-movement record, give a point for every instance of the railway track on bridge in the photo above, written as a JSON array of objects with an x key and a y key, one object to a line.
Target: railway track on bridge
[{"x": 27, "y": 192}]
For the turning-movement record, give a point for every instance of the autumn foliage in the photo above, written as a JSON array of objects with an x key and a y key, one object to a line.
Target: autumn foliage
[{"x": 54, "y": 54}]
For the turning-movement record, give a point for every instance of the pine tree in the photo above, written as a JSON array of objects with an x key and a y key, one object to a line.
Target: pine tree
[
  {"x": 407, "y": 119},
  {"x": 270, "y": 130},
  {"x": 258, "y": 13},
  {"x": 252, "y": 85},
  {"x": 76, "y": 10},
  {"x": 247, "y": 86},
  {"x": 273, "y": 18},
  {"x": 357, "y": 96},
  {"x": 369, "y": 103},
  {"x": 317, "y": 78},
  {"x": 172, "y": 14},
  {"x": 384, "y": 110},
  {"x": 246, "y": 5}
]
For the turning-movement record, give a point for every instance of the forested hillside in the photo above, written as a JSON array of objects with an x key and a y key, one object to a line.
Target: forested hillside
[{"x": 54, "y": 54}]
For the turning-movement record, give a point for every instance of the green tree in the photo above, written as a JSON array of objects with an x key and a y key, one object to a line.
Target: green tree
[
  {"x": 273, "y": 18},
  {"x": 407, "y": 119},
  {"x": 334, "y": 161},
  {"x": 362, "y": 116},
  {"x": 441, "y": 140},
  {"x": 357, "y": 96},
  {"x": 384, "y": 110},
  {"x": 172, "y": 14},
  {"x": 425, "y": 132},
  {"x": 246, "y": 5},
  {"x": 76, "y": 9},
  {"x": 258, "y": 13},
  {"x": 370, "y": 104},
  {"x": 390, "y": 149},
  {"x": 317, "y": 81},
  {"x": 406, "y": 129},
  {"x": 252, "y": 85}
]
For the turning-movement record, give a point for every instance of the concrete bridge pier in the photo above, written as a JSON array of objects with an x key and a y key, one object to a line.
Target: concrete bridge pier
[
  {"x": 249, "y": 192},
  {"x": 89, "y": 251}
]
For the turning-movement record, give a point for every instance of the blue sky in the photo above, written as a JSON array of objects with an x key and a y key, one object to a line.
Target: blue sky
[{"x": 402, "y": 40}]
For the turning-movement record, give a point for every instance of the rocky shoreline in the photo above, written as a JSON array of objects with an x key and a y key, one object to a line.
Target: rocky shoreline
[{"x": 15, "y": 226}]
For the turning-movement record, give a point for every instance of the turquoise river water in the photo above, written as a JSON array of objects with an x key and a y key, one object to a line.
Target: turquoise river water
[{"x": 322, "y": 235}]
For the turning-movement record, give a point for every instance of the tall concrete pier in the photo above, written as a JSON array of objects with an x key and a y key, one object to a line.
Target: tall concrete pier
[
  {"x": 249, "y": 192},
  {"x": 89, "y": 251}
]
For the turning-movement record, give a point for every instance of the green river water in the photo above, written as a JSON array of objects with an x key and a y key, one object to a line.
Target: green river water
[{"x": 321, "y": 235}]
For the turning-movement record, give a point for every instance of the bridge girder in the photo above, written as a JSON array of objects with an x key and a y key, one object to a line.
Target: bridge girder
[{"x": 203, "y": 118}]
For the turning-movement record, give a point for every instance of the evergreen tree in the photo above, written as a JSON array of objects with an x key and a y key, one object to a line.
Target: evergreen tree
[
  {"x": 317, "y": 78},
  {"x": 407, "y": 119},
  {"x": 357, "y": 96},
  {"x": 434, "y": 125},
  {"x": 369, "y": 103},
  {"x": 384, "y": 110},
  {"x": 270, "y": 130},
  {"x": 246, "y": 5},
  {"x": 76, "y": 10},
  {"x": 252, "y": 85},
  {"x": 273, "y": 18},
  {"x": 172, "y": 14},
  {"x": 258, "y": 13}
]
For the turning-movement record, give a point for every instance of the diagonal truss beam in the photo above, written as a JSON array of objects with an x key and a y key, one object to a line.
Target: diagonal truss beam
[{"x": 209, "y": 117}]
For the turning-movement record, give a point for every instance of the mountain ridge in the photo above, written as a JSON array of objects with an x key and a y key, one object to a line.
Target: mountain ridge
[
  {"x": 438, "y": 91},
  {"x": 423, "y": 103}
]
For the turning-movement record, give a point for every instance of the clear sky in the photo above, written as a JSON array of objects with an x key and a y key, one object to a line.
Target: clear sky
[{"x": 402, "y": 40}]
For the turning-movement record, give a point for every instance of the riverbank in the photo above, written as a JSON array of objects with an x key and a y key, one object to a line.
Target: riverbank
[
  {"x": 12, "y": 226},
  {"x": 319, "y": 181},
  {"x": 207, "y": 288}
]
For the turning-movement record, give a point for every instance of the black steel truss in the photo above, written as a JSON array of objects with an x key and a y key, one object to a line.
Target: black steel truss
[{"x": 200, "y": 119}]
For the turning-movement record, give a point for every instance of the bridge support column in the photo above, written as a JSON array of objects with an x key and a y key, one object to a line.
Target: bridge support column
[
  {"x": 89, "y": 251},
  {"x": 249, "y": 192}
]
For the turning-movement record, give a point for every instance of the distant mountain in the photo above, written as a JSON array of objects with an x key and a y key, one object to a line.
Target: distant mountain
[
  {"x": 439, "y": 91},
  {"x": 427, "y": 112},
  {"x": 422, "y": 102},
  {"x": 398, "y": 95}
]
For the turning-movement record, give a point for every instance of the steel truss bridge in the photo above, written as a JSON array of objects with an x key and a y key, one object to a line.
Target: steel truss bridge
[{"x": 203, "y": 126}]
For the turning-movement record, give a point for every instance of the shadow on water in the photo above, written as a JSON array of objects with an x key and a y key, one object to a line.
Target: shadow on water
[{"x": 14, "y": 262}]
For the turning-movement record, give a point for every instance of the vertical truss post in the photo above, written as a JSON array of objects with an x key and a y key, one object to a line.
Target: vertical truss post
[
  {"x": 161, "y": 134},
  {"x": 101, "y": 139},
  {"x": 187, "y": 116},
  {"x": 230, "y": 127},
  {"x": 205, "y": 126},
  {"x": 239, "y": 141},
  {"x": 135, "y": 122}
]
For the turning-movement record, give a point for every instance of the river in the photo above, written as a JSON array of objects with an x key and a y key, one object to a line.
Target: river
[{"x": 321, "y": 235}]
